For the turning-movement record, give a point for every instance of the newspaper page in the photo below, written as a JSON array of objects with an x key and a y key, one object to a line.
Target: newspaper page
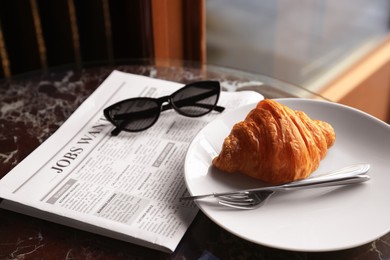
[{"x": 126, "y": 186}]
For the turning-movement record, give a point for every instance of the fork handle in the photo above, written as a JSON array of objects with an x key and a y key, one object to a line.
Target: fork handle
[
  {"x": 336, "y": 177},
  {"x": 326, "y": 182}
]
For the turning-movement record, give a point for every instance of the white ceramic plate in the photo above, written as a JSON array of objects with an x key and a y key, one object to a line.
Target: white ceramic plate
[{"x": 322, "y": 219}]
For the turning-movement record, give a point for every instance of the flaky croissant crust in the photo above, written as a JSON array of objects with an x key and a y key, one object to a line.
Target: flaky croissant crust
[{"x": 275, "y": 144}]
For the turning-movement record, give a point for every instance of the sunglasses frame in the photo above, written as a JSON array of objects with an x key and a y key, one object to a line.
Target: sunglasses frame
[{"x": 163, "y": 107}]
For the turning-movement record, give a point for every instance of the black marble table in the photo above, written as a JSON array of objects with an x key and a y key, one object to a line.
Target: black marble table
[{"x": 33, "y": 106}]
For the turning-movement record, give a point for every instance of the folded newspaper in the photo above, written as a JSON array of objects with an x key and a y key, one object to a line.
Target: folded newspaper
[{"x": 126, "y": 187}]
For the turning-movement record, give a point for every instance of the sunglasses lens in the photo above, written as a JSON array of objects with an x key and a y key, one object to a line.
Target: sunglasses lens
[
  {"x": 196, "y": 99},
  {"x": 134, "y": 115}
]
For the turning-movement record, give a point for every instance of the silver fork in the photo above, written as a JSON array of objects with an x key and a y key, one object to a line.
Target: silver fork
[{"x": 254, "y": 198}]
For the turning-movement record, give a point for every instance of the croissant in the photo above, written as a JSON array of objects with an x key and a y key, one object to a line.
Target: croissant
[{"x": 275, "y": 144}]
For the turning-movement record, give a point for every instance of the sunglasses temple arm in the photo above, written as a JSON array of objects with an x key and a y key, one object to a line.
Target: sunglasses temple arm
[
  {"x": 116, "y": 131},
  {"x": 219, "y": 109},
  {"x": 126, "y": 117},
  {"x": 118, "y": 128}
]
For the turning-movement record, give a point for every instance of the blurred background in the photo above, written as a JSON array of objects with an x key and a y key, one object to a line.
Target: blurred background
[
  {"x": 304, "y": 42},
  {"x": 339, "y": 49}
]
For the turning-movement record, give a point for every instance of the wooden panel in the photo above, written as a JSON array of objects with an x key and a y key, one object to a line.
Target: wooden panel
[
  {"x": 44, "y": 33},
  {"x": 1, "y": 70},
  {"x": 179, "y": 29},
  {"x": 19, "y": 36},
  {"x": 194, "y": 13},
  {"x": 168, "y": 29},
  {"x": 93, "y": 35},
  {"x": 57, "y": 33},
  {"x": 131, "y": 29},
  {"x": 3, "y": 56}
]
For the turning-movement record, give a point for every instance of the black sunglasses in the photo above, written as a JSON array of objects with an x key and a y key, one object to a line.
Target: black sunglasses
[{"x": 138, "y": 114}]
